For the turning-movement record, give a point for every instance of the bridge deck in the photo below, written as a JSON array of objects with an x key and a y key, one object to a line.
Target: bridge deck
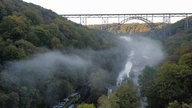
[
  {"x": 128, "y": 14},
  {"x": 123, "y": 18}
]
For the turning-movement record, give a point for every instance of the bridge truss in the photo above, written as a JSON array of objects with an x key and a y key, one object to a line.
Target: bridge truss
[{"x": 123, "y": 18}]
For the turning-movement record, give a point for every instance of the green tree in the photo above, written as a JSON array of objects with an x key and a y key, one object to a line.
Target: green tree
[
  {"x": 29, "y": 97},
  {"x": 146, "y": 78},
  {"x": 33, "y": 15},
  {"x": 110, "y": 101},
  {"x": 127, "y": 97},
  {"x": 56, "y": 43},
  {"x": 98, "y": 82},
  {"x": 11, "y": 52},
  {"x": 173, "y": 83},
  {"x": 7, "y": 7},
  {"x": 56, "y": 90},
  {"x": 33, "y": 38},
  {"x": 14, "y": 27},
  {"x": 13, "y": 101},
  {"x": 9, "y": 100},
  {"x": 28, "y": 47},
  {"x": 176, "y": 104},
  {"x": 3, "y": 100},
  {"x": 25, "y": 98},
  {"x": 42, "y": 34},
  {"x": 186, "y": 59}
]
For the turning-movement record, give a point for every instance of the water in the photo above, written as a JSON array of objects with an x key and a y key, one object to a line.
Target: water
[
  {"x": 124, "y": 73},
  {"x": 144, "y": 51},
  {"x": 137, "y": 59},
  {"x": 128, "y": 66}
]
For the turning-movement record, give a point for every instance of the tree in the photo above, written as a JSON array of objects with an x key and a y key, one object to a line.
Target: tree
[
  {"x": 7, "y": 7},
  {"x": 42, "y": 34},
  {"x": 28, "y": 47},
  {"x": 33, "y": 38},
  {"x": 56, "y": 90},
  {"x": 86, "y": 105},
  {"x": 146, "y": 78},
  {"x": 29, "y": 97},
  {"x": 186, "y": 59},
  {"x": 11, "y": 52},
  {"x": 10, "y": 100},
  {"x": 127, "y": 97},
  {"x": 176, "y": 104},
  {"x": 25, "y": 98},
  {"x": 14, "y": 27},
  {"x": 110, "y": 101},
  {"x": 3, "y": 100},
  {"x": 173, "y": 83},
  {"x": 29, "y": 29},
  {"x": 34, "y": 15},
  {"x": 56, "y": 43},
  {"x": 13, "y": 101},
  {"x": 98, "y": 83}
]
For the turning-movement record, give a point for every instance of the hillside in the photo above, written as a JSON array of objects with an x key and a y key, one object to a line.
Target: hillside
[
  {"x": 167, "y": 85},
  {"x": 27, "y": 28},
  {"x": 45, "y": 57},
  {"x": 129, "y": 28},
  {"x": 171, "y": 86}
]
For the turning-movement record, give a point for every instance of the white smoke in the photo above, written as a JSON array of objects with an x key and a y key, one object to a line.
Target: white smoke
[
  {"x": 42, "y": 67},
  {"x": 125, "y": 72},
  {"x": 144, "y": 51}
]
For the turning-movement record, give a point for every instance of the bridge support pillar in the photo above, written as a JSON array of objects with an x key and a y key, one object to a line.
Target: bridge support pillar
[
  {"x": 167, "y": 19},
  {"x": 83, "y": 20},
  {"x": 187, "y": 22},
  {"x": 105, "y": 21}
]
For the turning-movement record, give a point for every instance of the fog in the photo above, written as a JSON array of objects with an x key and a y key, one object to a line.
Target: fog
[
  {"x": 42, "y": 67},
  {"x": 143, "y": 52},
  {"x": 59, "y": 70},
  {"x": 148, "y": 48},
  {"x": 58, "y": 73}
]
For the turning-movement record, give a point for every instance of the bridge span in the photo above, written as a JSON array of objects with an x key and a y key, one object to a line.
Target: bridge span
[{"x": 123, "y": 18}]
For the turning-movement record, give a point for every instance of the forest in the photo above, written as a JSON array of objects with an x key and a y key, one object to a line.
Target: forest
[
  {"x": 127, "y": 28},
  {"x": 45, "y": 57}
]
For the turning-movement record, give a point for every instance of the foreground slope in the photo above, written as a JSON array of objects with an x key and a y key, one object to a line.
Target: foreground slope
[{"x": 171, "y": 87}]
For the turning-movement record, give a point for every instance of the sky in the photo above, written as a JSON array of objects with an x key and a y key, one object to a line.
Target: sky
[{"x": 115, "y": 6}]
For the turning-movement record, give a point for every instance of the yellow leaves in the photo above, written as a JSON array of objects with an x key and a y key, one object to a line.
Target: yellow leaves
[
  {"x": 86, "y": 106},
  {"x": 17, "y": 19}
]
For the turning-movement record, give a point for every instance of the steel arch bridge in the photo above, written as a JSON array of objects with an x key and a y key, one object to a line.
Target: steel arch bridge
[
  {"x": 123, "y": 18},
  {"x": 150, "y": 23}
]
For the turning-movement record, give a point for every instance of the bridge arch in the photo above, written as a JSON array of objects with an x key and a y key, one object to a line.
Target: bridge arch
[{"x": 150, "y": 23}]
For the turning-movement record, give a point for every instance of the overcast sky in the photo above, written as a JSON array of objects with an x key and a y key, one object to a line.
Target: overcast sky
[{"x": 115, "y": 6}]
